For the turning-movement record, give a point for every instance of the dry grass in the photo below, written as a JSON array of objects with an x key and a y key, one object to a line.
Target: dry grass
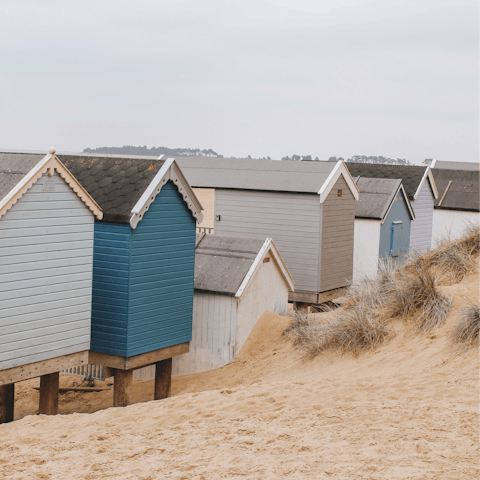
[
  {"x": 347, "y": 331},
  {"x": 467, "y": 329},
  {"x": 408, "y": 290}
]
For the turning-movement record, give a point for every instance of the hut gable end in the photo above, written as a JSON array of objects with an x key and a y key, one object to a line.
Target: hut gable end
[{"x": 46, "y": 248}]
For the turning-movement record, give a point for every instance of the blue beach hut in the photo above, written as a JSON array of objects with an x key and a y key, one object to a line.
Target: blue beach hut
[
  {"x": 143, "y": 264},
  {"x": 383, "y": 222}
]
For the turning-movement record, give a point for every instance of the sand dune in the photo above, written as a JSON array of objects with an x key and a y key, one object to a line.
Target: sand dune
[{"x": 409, "y": 410}]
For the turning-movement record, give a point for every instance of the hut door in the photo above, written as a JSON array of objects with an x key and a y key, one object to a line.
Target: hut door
[{"x": 395, "y": 238}]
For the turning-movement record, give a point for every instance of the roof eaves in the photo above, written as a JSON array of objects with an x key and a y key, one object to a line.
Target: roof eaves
[
  {"x": 49, "y": 163},
  {"x": 267, "y": 247},
  {"x": 169, "y": 171},
  {"x": 339, "y": 169}
]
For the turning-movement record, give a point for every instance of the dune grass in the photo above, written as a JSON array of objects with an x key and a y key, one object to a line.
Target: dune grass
[
  {"x": 467, "y": 328},
  {"x": 408, "y": 290}
]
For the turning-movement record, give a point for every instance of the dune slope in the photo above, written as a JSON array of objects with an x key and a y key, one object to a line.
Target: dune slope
[{"x": 408, "y": 410}]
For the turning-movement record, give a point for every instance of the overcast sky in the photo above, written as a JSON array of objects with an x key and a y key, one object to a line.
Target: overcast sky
[{"x": 244, "y": 77}]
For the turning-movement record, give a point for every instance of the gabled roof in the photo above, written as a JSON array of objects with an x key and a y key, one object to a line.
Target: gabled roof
[
  {"x": 125, "y": 186},
  {"x": 458, "y": 189},
  {"x": 413, "y": 177},
  {"x": 19, "y": 172},
  {"x": 265, "y": 175},
  {"x": 441, "y": 164},
  {"x": 377, "y": 196},
  {"x": 226, "y": 265}
]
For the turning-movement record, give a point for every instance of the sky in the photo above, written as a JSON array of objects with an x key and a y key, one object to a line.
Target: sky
[{"x": 325, "y": 78}]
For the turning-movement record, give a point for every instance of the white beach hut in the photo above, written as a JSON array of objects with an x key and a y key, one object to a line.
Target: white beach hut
[{"x": 46, "y": 255}]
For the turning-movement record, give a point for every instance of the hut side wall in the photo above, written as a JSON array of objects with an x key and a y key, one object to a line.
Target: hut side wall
[
  {"x": 111, "y": 267},
  {"x": 398, "y": 212},
  {"x": 337, "y": 246},
  {"x": 206, "y": 196},
  {"x": 421, "y": 233},
  {"x": 162, "y": 270},
  {"x": 266, "y": 291},
  {"x": 366, "y": 248},
  {"x": 46, "y": 250},
  {"x": 291, "y": 219},
  {"x": 451, "y": 223},
  {"x": 213, "y": 336}
]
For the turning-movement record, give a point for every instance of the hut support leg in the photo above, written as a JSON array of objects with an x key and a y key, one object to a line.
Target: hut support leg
[
  {"x": 163, "y": 379},
  {"x": 7, "y": 396},
  {"x": 48, "y": 404},
  {"x": 121, "y": 387}
]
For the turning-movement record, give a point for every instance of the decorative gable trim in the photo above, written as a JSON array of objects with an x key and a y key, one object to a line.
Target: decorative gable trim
[
  {"x": 169, "y": 171},
  {"x": 339, "y": 169},
  {"x": 49, "y": 163},
  {"x": 267, "y": 247},
  {"x": 428, "y": 174},
  {"x": 407, "y": 202}
]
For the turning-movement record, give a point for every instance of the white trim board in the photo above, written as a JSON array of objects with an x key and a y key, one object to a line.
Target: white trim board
[
  {"x": 49, "y": 163},
  {"x": 267, "y": 247},
  {"x": 428, "y": 174},
  {"x": 169, "y": 171},
  {"x": 339, "y": 169}
]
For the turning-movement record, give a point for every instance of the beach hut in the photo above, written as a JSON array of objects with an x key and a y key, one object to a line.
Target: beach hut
[
  {"x": 308, "y": 208},
  {"x": 236, "y": 281},
  {"x": 46, "y": 254},
  {"x": 457, "y": 205},
  {"x": 448, "y": 165},
  {"x": 420, "y": 187},
  {"x": 383, "y": 218},
  {"x": 143, "y": 265}
]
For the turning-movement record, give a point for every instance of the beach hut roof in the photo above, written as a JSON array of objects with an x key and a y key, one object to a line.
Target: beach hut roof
[
  {"x": 265, "y": 175},
  {"x": 441, "y": 164},
  {"x": 226, "y": 265},
  {"x": 126, "y": 186},
  {"x": 458, "y": 189},
  {"x": 18, "y": 172},
  {"x": 413, "y": 177},
  {"x": 377, "y": 196}
]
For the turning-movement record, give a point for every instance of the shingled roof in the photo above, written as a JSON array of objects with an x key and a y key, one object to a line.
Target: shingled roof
[
  {"x": 13, "y": 167},
  {"x": 115, "y": 183},
  {"x": 376, "y": 197},
  {"x": 457, "y": 189},
  {"x": 20, "y": 171},
  {"x": 224, "y": 265},
  {"x": 410, "y": 175}
]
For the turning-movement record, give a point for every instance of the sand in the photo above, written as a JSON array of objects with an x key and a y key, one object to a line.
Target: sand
[{"x": 409, "y": 410}]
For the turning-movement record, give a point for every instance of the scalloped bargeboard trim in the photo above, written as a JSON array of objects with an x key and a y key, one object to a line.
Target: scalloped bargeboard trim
[
  {"x": 169, "y": 171},
  {"x": 50, "y": 163}
]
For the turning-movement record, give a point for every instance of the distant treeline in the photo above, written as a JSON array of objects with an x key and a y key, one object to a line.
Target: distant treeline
[
  {"x": 154, "y": 151},
  {"x": 371, "y": 159}
]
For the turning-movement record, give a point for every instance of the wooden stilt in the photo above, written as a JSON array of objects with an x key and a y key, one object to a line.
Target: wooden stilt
[
  {"x": 7, "y": 397},
  {"x": 121, "y": 387},
  {"x": 48, "y": 404},
  {"x": 163, "y": 379}
]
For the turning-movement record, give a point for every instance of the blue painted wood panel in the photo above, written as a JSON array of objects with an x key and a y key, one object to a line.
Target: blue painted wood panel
[
  {"x": 111, "y": 267},
  {"x": 143, "y": 279},
  {"x": 162, "y": 264},
  {"x": 401, "y": 239}
]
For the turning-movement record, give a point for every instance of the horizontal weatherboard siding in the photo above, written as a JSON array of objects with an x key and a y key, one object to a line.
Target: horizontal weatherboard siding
[
  {"x": 292, "y": 220},
  {"x": 422, "y": 226},
  {"x": 111, "y": 263},
  {"x": 46, "y": 251},
  {"x": 161, "y": 274},
  {"x": 337, "y": 247}
]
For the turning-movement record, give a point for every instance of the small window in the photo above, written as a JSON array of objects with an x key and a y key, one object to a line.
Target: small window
[{"x": 339, "y": 193}]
